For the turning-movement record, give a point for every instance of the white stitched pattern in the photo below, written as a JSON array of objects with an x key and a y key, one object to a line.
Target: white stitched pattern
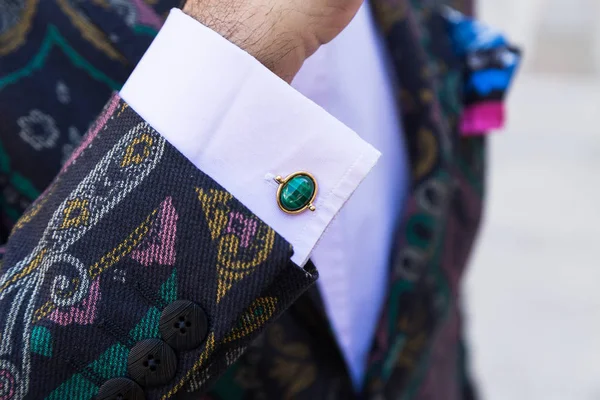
[{"x": 120, "y": 171}]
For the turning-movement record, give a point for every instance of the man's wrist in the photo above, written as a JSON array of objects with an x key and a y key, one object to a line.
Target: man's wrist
[{"x": 255, "y": 27}]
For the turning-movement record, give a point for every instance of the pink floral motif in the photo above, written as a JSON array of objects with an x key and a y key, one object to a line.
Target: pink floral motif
[
  {"x": 7, "y": 385},
  {"x": 159, "y": 246},
  {"x": 82, "y": 314},
  {"x": 146, "y": 15},
  {"x": 242, "y": 226}
]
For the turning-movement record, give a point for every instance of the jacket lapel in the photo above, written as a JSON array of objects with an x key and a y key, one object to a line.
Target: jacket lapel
[{"x": 420, "y": 296}]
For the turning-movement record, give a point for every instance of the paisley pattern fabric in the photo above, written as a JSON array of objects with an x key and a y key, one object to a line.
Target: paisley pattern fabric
[
  {"x": 60, "y": 62},
  {"x": 108, "y": 228},
  {"x": 109, "y": 245}
]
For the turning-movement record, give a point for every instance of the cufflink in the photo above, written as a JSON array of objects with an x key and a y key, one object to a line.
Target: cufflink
[{"x": 296, "y": 192}]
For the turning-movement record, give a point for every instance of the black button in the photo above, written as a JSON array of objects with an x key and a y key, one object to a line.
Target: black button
[
  {"x": 183, "y": 325},
  {"x": 152, "y": 362},
  {"x": 120, "y": 389}
]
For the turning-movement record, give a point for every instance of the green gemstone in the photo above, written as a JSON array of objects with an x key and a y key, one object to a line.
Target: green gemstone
[{"x": 297, "y": 193}]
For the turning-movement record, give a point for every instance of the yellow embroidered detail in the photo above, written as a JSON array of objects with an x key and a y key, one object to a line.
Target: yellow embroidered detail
[
  {"x": 15, "y": 37},
  {"x": 426, "y": 96},
  {"x": 293, "y": 376},
  {"x": 30, "y": 214},
  {"x": 90, "y": 32},
  {"x": 123, "y": 249},
  {"x": 33, "y": 265},
  {"x": 414, "y": 327},
  {"x": 232, "y": 267},
  {"x": 239, "y": 250},
  {"x": 407, "y": 101},
  {"x": 292, "y": 367},
  {"x": 389, "y": 13},
  {"x": 123, "y": 107},
  {"x": 44, "y": 310},
  {"x": 71, "y": 289},
  {"x": 106, "y": 261},
  {"x": 215, "y": 209},
  {"x": 229, "y": 248},
  {"x": 412, "y": 350},
  {"x": 427, "y": 153},
  {"x": 75, "y": 214},
  {"x": 209, "y": 347},
  {"x": 257, "y": 314},
  {"x": 101, "y": 3},
  {"x": 138, "y": 150}
]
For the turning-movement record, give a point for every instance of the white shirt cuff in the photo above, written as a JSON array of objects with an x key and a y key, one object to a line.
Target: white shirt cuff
[{"x": 242, "y": 125}]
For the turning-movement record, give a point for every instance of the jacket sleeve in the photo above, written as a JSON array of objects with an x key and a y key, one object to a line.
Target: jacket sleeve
[{"x": 135, "y": 272}]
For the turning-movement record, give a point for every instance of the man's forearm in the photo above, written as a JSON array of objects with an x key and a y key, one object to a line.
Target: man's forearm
[
  {"x": 253, "y": 28},
  {"x": 280, "y": 34}
]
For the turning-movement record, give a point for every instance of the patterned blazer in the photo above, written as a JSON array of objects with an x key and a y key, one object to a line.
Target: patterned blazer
[{"x": 130, "y": 274}]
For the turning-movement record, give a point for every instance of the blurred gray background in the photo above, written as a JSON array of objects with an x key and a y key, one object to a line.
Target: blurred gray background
[{"x": 532, "y": 290}]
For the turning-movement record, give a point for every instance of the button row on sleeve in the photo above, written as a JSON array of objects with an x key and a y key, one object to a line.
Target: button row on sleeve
[{"x": 183, "y": 326}]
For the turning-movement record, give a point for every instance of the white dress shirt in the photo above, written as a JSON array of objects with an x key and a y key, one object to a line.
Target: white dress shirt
[{"x": 242, "y": 125}]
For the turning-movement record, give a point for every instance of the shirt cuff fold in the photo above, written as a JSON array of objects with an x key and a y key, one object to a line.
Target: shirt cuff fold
[{"x": 242, "y": 125}]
